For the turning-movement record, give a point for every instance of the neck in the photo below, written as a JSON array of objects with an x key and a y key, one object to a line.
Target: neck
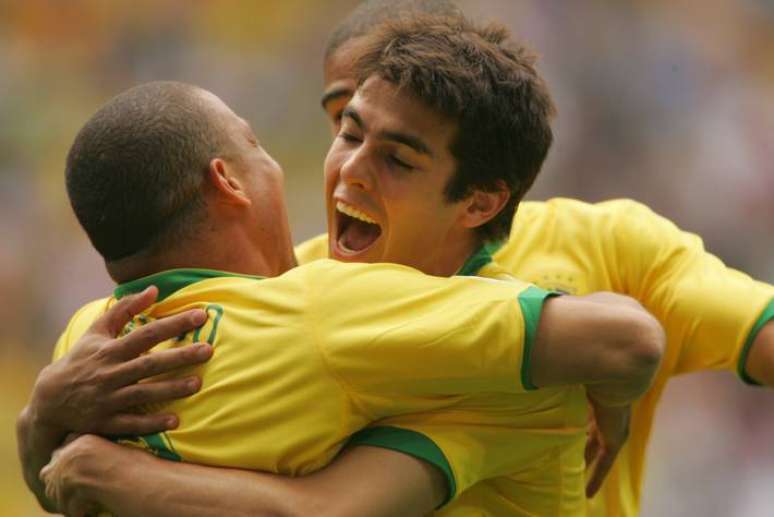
[
  {"x": 449, "y": 259},
  {"x": 226, "y": 251}
]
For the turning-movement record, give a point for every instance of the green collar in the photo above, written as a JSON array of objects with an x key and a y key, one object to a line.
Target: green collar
[
  {"x": 479, "y": 259},
  {"x": 173, "y": 280}
]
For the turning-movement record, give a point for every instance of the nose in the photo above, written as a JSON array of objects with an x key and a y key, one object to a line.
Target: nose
[{"x": 357, "y": 169}]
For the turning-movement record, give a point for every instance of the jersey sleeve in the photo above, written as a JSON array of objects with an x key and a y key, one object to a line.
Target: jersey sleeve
[
  {"x": 77, "y": 326},
  {"x": 489, "y": 436},
  {"x": 710, "y": 312},
  {"x": 400, "y": 341}
]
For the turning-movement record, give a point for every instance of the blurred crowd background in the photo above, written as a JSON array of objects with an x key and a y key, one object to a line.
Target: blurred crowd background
[{"x": 669, "y": 103}]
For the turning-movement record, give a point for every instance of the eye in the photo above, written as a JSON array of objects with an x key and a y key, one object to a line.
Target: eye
[
  {"x": 399, "y": 163},
  {"x": 349, "y": 137}
]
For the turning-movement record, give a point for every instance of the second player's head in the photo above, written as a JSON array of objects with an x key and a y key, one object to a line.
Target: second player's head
[
  {"x": 167, "y": 175},
  {"x": 345, "y": 45},
  {"x": 448, "y": 129}
]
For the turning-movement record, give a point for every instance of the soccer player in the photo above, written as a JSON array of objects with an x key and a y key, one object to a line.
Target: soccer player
[
  {"x": 297, "y": 370},
  {"x": 715, "y": 317}
]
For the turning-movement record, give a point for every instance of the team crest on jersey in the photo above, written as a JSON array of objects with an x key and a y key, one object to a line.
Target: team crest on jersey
[{"x": 565, "y": 283}]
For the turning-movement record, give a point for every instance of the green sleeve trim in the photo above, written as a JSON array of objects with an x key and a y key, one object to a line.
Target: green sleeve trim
[
  {"x": 531, "y": 301},
  {"x": 408, "y": 442},
  {"x": 766, "y": 316}
]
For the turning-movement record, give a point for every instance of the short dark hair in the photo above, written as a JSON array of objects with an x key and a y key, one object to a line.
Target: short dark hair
[
  {"x": 371, "y": 13},
  {"x": 478, "y": 77},
  {"x": 135, "y": 170}
]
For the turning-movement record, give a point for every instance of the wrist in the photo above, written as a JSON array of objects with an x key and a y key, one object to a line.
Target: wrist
[{"x": 610, "y": 396}]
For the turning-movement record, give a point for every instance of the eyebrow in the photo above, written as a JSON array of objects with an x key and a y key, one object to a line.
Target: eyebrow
[
  {"x": 417, "y": 144},
  {"x": 335, "y": 94}
]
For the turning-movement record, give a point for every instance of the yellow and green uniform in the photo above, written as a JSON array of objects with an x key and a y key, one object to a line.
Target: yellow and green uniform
[
  {"x": 523, "y": 452},
  {"x": 711, "y": 313},
  {"x": 303, "y": 361}
]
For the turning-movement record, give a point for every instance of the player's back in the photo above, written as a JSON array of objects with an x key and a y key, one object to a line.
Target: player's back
[{"x": 266, "y": 400}]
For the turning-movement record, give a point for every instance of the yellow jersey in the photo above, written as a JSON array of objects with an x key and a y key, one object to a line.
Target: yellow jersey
[
  {"x": 525, "y": 458},
  {"x": 711, "y": 313},
  {"x": 303, "y": 361}
]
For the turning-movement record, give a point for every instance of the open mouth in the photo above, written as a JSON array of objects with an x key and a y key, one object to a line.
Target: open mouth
[{"x": 356, "y": 231}]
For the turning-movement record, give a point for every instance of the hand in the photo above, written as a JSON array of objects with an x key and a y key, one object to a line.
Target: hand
[
  {"x": 95, "y": 388},
  {"x": 609, "y": 431},
  {"x": 70, "y": 471}
]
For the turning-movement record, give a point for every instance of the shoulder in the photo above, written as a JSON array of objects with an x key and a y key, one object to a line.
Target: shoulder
[
  {"x": 313, "y": 249},
  {"x": 578, "y": 221},
  {"x": 567, "y": 208},
  {"x": 79, "y": 324},
  {"x": 85, "y": 316}
]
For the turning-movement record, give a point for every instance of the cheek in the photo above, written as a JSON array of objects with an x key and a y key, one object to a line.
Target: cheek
[{"x": 331, "y": 168}]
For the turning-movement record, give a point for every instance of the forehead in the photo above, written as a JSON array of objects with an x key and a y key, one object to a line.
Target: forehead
[
  {"x": 339, "y": 74},
  {"x": 339, "y": 66},
  {"x": 382, "y": 105}
]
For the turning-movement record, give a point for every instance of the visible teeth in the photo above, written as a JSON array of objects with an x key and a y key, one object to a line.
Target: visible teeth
[{"x": 353, "y": 212}]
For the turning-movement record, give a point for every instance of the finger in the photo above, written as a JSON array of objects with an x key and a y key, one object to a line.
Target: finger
[
  {"x": 147, "y": 336},
  {"x": 45, "y": 472},
  {"x": 599, "y": 472},
  {"x": 123, "y": 311},
  {"x": 154, "y": 392},
  {"x": 165, "y": 361},
  {"x": 131, "y": 424}
]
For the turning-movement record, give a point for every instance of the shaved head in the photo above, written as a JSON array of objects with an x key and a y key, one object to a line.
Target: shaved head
[{"x": 135, "y": 170}]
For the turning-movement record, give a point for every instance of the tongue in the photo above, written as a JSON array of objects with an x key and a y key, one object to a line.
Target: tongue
[{"x": 359, "y": 235}]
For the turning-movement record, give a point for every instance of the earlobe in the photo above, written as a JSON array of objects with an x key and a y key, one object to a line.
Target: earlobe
[{"x": 225, "y": 183}]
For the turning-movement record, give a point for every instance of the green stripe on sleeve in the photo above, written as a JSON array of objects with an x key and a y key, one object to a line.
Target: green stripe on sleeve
[
  {"x": 766, "y": 316},
  {"x": 531, "y": 301},
  {"x": 408, "y": 442}
]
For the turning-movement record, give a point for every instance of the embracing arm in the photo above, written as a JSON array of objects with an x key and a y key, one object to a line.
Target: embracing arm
[
  {"x": 95, "y": 387},
  {"x": 92, "y": 474},
  {"x": 606, "y": 341},
  {"x": 613, "y": 346}
]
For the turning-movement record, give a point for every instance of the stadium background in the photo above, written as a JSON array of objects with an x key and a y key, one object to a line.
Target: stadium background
[{"x": 672, "y": 105}]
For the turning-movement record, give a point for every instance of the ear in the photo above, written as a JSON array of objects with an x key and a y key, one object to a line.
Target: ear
[
  {"x": 226, "y": 185},
  {"x": 483, "y": 206}
]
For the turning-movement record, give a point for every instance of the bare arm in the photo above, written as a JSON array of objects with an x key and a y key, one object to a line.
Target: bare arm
[
  {"x": 95, "y": 387},
  {"x": 760, "y": 361},
  {"x": 606, "y": 341},
  {"x": 92, "y": 474},
  {"x": 609, "y": 343}
]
